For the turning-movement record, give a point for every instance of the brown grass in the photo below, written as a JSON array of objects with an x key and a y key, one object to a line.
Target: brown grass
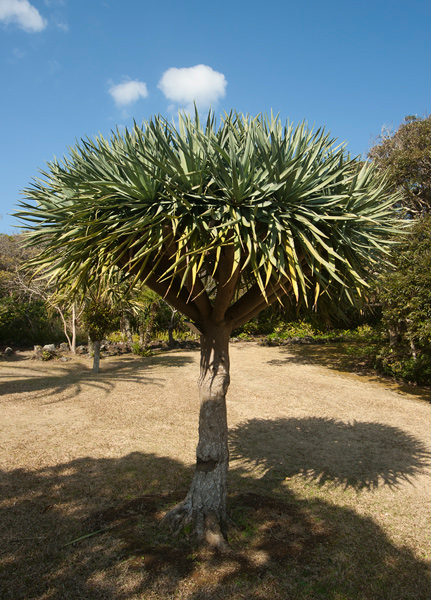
[{"x": 330, "y": 480}]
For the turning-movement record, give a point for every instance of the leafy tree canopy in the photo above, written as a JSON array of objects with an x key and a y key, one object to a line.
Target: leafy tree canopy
[
  {"x": 201, "y": 211},
  {"x": 99, "y": 319},
  {"x": 405, "y": 155},
  {"x": 406, "y": 292}
]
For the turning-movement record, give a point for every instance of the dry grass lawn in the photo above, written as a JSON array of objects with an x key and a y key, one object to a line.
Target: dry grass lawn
[{"x": 330, "y": 480}]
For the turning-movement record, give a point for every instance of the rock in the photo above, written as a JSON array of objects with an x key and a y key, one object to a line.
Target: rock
[
  {"x": 44, "y": 353},
  {"x": 8, "y": 351},
  {"x": 81, "y": 350},
  {"x": 156, "y": 345},
  {"x": 65, "y": 358},
  {"x": 64, "y": 347}
]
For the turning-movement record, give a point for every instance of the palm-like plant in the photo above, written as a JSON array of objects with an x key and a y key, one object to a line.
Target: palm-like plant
[
  {"x": 220, "y": 221},
  {"x": 101, "y": 300}
]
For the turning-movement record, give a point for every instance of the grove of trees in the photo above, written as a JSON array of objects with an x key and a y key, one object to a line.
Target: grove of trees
[
  {"x": 221, "y": 221},
  {"x": 24, "y": 314},
  {"x": 404, "y": 155}
]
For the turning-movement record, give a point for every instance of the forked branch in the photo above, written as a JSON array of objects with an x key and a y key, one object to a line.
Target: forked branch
[{"x": 227, "y": 281}]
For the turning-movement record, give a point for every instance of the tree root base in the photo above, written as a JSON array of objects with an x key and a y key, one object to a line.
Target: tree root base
[{"x": 205, "y": 527}]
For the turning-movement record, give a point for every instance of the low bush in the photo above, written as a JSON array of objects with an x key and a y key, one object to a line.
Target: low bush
[
  {"x": 399, "y": 363},
  {"x": 293, "y": 329},
  {"x": 24, "y": 323},
  {"x": 140, "y": 351}
]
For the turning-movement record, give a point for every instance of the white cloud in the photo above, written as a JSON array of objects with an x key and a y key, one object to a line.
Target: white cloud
[
  {"x": 23, "y": 14},
  {"x": 200, "y": 85},
  {"x": 128, "y": 92}
]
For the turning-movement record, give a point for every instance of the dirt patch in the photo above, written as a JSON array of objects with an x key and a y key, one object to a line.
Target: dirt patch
[{"x": 330, "y": 480}]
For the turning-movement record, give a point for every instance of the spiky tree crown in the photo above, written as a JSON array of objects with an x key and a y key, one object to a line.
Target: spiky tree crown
[{"x": 249, "y": 204}]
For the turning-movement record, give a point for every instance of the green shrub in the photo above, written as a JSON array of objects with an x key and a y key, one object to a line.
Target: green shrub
[
  {"x": 27, "y": 323},
  {"x": 137, "y": 349},
  {"x": 293, "y": 329},
  {"x": 399, "y": 363},
  {"x": 99, "y": 319}
]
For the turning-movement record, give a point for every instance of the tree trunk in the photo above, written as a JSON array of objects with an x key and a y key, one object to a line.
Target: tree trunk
[
  {"x": 413, "y": 348},
  {"x": 171, "y": 341},
  {"x": 204, "y": 509},
  {"x": 128, "y": 331},
  {"x": 96, "y": 356},
  {"x": 150, "y": 324},
  {"x": 171, "y": 325},
  {"x": 73, "y": 345},
  {"x": 60, "y": 312}
]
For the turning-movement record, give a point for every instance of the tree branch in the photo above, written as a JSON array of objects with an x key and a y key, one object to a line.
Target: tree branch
[
  {"x": 253, "y": 301},
  {"x": 199, "y": 296},
  {"x": 171, "y": 292},
  {"x": 256, "y": 310},
  {"x": 170, "y": 289},
  {"x": 227, "y": 283},
  {"x": 60, "y": 312}
]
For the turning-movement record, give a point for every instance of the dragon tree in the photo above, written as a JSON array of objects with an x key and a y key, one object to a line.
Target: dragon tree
[{"x": 221, "y": 220}]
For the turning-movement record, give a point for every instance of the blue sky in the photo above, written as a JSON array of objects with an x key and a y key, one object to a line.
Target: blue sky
[{"x": 70, "y": 69}]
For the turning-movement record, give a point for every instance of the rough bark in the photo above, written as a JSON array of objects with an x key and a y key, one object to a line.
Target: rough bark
[
  {"x": 204, "y": 509},
  {"x": 127, "y": 331},
  {"x": 96, "y": 356}
]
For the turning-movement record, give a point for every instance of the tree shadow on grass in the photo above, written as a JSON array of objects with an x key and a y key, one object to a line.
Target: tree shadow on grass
[
  {"x": 358, "y": 455},
  {"x": 69, "y": 379},
  {"x": 335, "y": 357},
  {"x": 280, "y": 547}
]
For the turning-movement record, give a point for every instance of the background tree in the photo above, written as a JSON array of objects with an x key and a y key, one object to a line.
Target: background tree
[
  {"x": 25, "y": 316},
  {"x": 107, "y": 300},
  {"x": 15, "y": 277},
  {"x": 99, "y": 319},
  {"x": 405, "y": 156},
  {"x": 221, "y": 222},
  {"x": 407, "y": 290},
  {"x": 405, "y": 294},
  {"x": 156, "y": 315}
]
